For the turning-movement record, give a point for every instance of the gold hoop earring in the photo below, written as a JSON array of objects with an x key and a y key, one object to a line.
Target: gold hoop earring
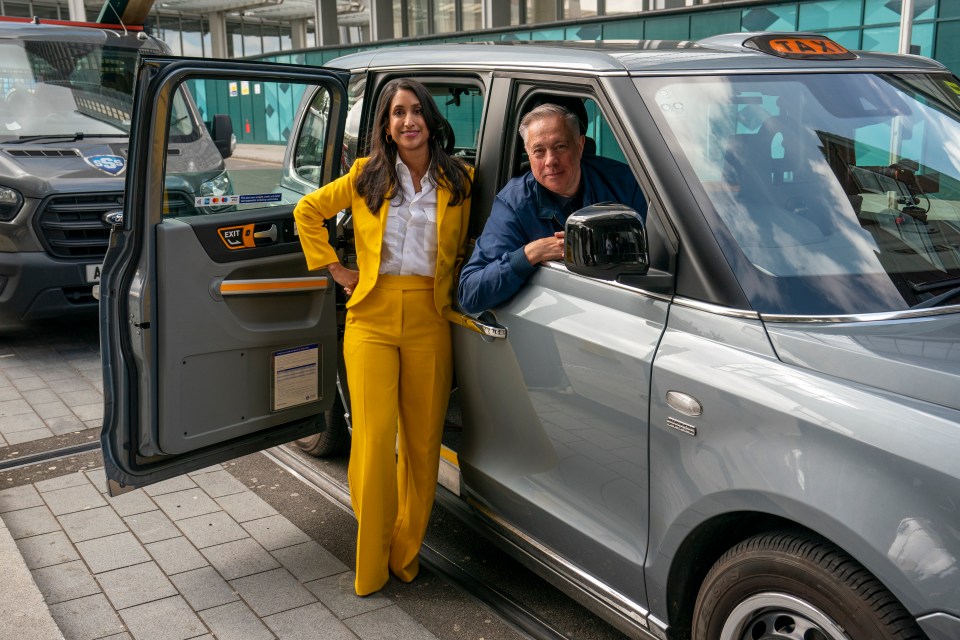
[{"x": 388, "y": 138}]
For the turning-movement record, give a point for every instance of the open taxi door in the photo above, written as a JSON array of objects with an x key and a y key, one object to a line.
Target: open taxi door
[{"x": 216, "y": 340}]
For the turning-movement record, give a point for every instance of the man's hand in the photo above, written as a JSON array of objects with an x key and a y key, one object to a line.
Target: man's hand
[
  {"x": 549, "y": 248},
  {"x": 346, "y": 278}
]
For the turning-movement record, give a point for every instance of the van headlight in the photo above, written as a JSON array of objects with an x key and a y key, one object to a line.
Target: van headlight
[
  {"x": 10, "y": 203},
  {"x": 214, "y": 188}
]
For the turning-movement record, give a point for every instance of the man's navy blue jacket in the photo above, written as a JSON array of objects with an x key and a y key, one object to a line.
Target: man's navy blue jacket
[{"x": 525, "y": 211}]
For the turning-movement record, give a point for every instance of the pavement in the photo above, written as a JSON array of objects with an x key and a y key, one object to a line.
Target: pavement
[{"x": 197, "y": 556}]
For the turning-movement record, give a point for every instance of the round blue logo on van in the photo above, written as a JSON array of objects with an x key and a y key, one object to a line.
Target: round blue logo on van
[{"x": 114, "y": 165}]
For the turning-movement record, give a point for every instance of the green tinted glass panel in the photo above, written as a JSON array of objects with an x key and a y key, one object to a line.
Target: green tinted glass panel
[
  {"x": 623, "y": 30},
  {"x": 670, "y": 28},
  {"x": 885, "y": 11},
  {"x": 599, "y": 131},
  {"x": 847, "y": 39},
  {"x": 815, "y": 16},
  {"x": 547, "y": 34},
  {"x": 776, "y": 18},
  {"x": 888, "y": 39},
  {"x": 948, "y": 45},
  {"x": 703, "y": 25}
]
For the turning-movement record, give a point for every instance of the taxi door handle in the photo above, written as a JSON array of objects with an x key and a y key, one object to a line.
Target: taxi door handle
[{"x": 265, "y": 236}]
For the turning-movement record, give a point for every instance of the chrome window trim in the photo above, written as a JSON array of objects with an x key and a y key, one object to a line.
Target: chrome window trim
[
  {"x": 782, "y": 318},
  {"x": 494, "y": 67}
]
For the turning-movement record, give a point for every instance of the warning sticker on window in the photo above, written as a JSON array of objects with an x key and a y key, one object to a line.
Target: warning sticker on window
[{"x": 254, "y": 198}]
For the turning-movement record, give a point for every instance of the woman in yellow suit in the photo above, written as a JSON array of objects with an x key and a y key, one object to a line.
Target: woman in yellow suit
[{"x": 410, "y": 203}]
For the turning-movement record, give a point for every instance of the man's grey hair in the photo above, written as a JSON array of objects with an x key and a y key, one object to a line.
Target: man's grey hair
[{"x": 546, "y": 110}]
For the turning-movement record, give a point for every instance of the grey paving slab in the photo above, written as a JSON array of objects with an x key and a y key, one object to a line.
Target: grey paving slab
[
  {"x": 66, "y": 581},
  {"x": 240, "y": 558},
  {"x": 49, "y": 410},
  {"x": 72, "y": 384},
  {"x": 219, "y": 483},
  {"x": 9, "y": 392},
  {"x": 112, "y": 552},
  {"x": 212, "y": 529},
  {"x": 312, "y": 622},
  {"x": 246, "y": 506},
  {"x": 10, "y": 408},
  {"x": 61, "y": 482},
  {"x": 26, "y": 421},
  {"x": 88, "y": 412},
  {"x": 29, "y": 383},
  {"x": 135, "y": 585},
  {"x": 180, "y": 483},
  {"x": 152, "y": 526},
  {"x": 65, "y": 424},
  {"x": 186, "y": 504},
  {"x": 30, "y": 522},
  {"x": 337, "y": 594},
  {"x": 204, "y": 588},
  {"x": 46, "y": 550},
  {"x": 210, "y": 469},
  {"x": 272, "y": 592},
  {"x": 29, "y": 435},
  {"x": 121, "y": 636},
  {"x": 80, "y": 397},
  {"x": 56, "y": 374},
  {"x": 275, "y": 532},
  {"x": 309, "y": 561},
  {"x": 73, "y": 499},
  {"x": 22, "y": 497},
  {"x": 86, "y": 618},
  {"x": 92, "y": 523},
  {"x": 389, "y": 623},
  {"x": 176, "y": 555},
  {"x": 235, "y": 621},
  {"x": 167, "y": 619},
  {"x": 39, "y": 396},
  {"x": 97, "y": 478},
  {"x": 21, "y": 604},
  {"x": 130, "y": 504}
]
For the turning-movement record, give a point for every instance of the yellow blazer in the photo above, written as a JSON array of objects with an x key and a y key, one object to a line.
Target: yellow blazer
[{"x": 324, "y": 203}]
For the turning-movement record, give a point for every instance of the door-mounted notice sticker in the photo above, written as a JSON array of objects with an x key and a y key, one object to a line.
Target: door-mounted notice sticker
[{"x": 296, "y": 376}]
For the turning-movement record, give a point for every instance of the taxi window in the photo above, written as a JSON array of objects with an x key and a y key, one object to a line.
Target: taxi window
[
  {"x": 206, "y": 173},
  {"x": 833, "y": 193}
]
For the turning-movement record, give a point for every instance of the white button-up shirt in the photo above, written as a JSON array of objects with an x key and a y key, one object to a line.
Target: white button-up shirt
[{"x": 410, "y": 241}]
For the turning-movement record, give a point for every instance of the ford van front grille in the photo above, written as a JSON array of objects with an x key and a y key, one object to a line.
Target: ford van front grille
[{"x": 72, "y": 226}]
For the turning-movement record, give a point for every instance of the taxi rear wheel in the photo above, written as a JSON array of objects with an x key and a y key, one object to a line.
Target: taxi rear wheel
[
  {"x": 334, "y": 439},
  {"x": 786, "y": 586}
]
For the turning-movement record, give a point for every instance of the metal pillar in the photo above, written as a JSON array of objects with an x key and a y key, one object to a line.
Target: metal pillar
[
  {"x": 906, "y": 25},
  {"x": 78, "y": 12},
  {"x": 381, "y": 20},
  {"x": 496, "y": 13},
  {"x": 218, "y": 34},
  {"x": 298, "y": 33},
  {"x": 325, "y": 23}
]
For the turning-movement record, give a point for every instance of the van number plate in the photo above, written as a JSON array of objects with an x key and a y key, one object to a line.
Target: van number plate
[{"x": 93, "y": 273}]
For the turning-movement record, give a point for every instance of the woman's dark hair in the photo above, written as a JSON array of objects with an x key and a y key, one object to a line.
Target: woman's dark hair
[{"x": 378, "y": 178}]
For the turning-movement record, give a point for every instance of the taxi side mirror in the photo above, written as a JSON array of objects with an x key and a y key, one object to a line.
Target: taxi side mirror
[{"x": 606, "y": 241}]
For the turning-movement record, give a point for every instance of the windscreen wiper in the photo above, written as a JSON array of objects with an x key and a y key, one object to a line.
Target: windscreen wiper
[
  {"x": 69, "y": 137},
  {"x": 936, "y": 301}
]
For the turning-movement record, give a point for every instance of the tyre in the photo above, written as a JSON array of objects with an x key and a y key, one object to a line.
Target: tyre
[
  {"x": 332, "y": 441},
  {"x": 786, "y": 586}
]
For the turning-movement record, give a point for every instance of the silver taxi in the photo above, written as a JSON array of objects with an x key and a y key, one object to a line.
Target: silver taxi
[{"x": 744, "y": 424}]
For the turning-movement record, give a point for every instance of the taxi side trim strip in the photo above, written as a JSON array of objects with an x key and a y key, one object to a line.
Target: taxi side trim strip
[{"x": 272, "y": 285}]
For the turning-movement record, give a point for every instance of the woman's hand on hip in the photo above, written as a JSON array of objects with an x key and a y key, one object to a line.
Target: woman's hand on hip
[{"x": 346, "y": 278}]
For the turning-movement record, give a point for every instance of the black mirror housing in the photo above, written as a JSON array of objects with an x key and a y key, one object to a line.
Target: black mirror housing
[
  {"x": 606, "y": 241},
  {"x": 222, "y": 133}
]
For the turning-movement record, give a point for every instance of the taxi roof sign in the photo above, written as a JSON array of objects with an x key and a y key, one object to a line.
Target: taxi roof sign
[{"x": 799, "y": 46}]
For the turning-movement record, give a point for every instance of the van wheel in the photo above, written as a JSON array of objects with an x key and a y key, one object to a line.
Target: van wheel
[
  {"x": 785, "y": 586},
  {"x": 332, "y": 441}
]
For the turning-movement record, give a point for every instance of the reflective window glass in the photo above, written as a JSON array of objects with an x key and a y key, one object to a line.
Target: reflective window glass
[
  {"x": 886, "y": 11},
  {"x": 774, "y": 18},
  {"x": 574, "y": 9},
  {"x": 888, "y": 39},
  {"x": 472, "y": 15},
  {"x": 828, "y": 14}
]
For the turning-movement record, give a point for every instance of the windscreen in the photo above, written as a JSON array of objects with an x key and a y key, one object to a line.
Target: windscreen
[
  {"x": 56, "y": 88},
  {"x": 831, "y": 194}
]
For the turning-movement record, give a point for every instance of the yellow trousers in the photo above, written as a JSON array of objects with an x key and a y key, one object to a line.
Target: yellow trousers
[{"x": 399, "y": 370}]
